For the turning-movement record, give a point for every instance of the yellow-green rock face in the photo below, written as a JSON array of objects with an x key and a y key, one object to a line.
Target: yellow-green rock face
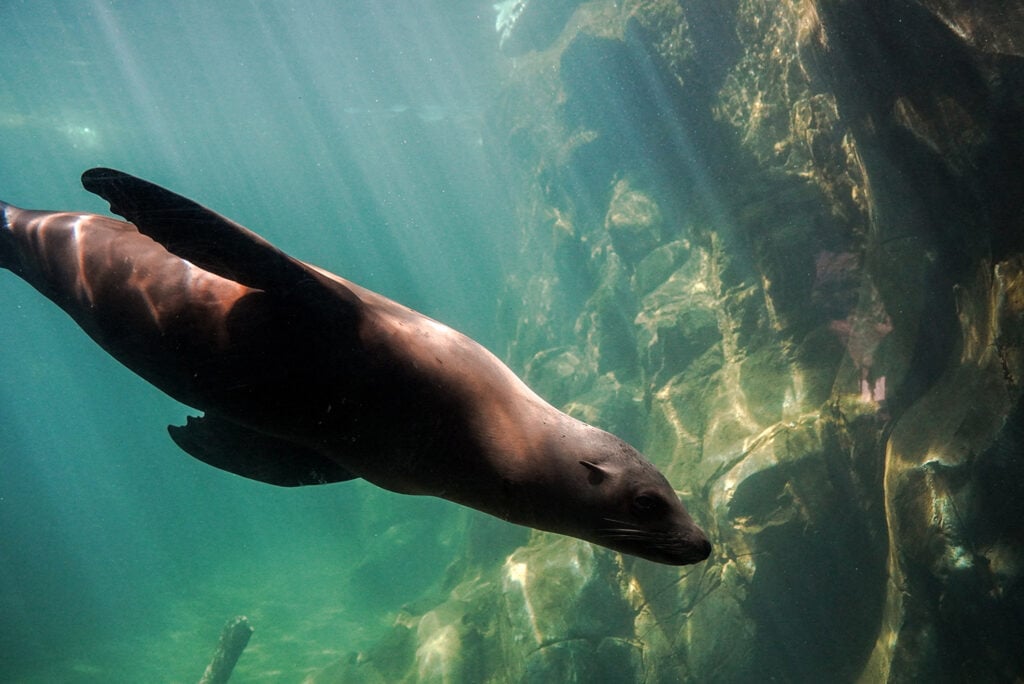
[{"x": 780, "y": 247}]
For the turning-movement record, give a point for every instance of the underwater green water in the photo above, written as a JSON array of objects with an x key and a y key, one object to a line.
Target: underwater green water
[{"x": 350, "y": 134}]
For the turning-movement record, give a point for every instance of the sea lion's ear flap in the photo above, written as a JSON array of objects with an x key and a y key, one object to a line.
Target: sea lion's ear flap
[{"x": 597, "y": 474}]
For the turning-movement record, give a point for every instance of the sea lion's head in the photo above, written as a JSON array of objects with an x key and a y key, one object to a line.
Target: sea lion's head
[
  {"x": 607, "y": 493},
  {"x": 633, "y": 509}
]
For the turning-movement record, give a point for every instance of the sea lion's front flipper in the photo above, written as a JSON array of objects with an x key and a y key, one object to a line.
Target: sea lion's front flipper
[
  {"x": 205, "y": 238},
  {"x": 242, "y": 451}
]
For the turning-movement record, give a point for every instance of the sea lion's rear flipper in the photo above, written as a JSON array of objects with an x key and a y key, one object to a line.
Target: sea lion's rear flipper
[
  {"x": 257, "y": 456},
  {"x": 207, "y": 239}
]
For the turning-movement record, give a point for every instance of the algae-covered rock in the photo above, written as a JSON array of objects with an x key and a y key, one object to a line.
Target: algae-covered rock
[
  {"x": 566, "y": 615},
  {"x": 778, "y": 245},
  {"x": 558, "y": 374},
  {"x": 633, "y": 222},
  {"x": 611, "y": 661},
  {"x": 948, "y": 518},
  {"x": 678, "y": 321},
  {"x": 659, "y": 264},
  {"x": 616, "y": 405},
  {"x": 562, "y": 590}
]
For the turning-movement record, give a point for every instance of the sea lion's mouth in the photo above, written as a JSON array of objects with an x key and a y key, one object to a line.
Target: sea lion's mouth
[{"x": 655, "y": 545}]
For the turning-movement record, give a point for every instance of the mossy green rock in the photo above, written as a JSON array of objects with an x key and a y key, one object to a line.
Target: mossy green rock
[{"x": 778, "y": 245}]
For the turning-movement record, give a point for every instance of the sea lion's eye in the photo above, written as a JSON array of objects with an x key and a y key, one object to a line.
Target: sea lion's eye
[{"x": 645, "y": 505}]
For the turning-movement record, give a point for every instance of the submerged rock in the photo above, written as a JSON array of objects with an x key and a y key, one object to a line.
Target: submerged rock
[
  {"x": 633, "y": 222},
  {"x": 780, "y": 246},
  {"x": 524, "y": 25}
]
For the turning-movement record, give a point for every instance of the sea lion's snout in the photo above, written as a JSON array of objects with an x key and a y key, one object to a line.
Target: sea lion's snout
[
  {"x": 659, "y": 547},
  {"x": 693, "y": 550}
]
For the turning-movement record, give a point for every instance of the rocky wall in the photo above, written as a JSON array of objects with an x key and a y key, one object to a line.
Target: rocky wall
[{"x": 780, "y": 246}]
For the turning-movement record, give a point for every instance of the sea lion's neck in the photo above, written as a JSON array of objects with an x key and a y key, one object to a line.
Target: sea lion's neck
[{"x": 527, "y": 462}]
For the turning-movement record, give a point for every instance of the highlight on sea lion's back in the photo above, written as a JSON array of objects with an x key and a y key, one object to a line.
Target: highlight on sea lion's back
[{"x": 306, "y": 378}]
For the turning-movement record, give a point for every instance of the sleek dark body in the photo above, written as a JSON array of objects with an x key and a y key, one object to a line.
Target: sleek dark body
[{"x": 306, "y": 378}]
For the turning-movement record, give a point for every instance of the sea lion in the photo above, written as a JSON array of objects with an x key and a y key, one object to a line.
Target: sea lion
[{"x": 306, "y": 378}]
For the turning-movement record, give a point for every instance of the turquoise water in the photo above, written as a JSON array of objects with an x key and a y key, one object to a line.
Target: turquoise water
[{"x": 349, "y": 135}]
